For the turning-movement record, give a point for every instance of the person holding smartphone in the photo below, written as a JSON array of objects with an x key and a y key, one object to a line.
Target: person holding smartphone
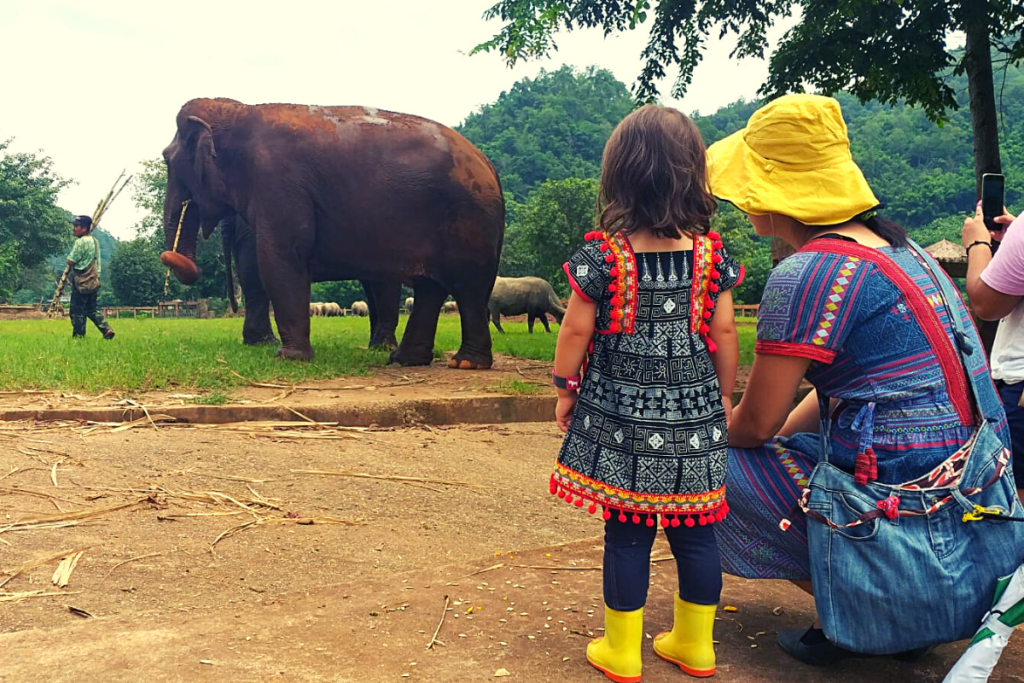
[{"x": 995, "y": 288}]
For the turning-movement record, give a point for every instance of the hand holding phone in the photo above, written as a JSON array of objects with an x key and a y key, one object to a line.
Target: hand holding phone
[{"x": 992, "y": 202}]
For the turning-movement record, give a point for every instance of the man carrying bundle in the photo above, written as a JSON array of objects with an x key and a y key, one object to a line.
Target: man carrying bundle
[{"x": 84, "y": 264}]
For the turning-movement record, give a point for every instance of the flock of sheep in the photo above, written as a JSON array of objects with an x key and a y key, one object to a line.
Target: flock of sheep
[
  {"x": 360, "y": 308},
  {"x": 328, "y": 310}
]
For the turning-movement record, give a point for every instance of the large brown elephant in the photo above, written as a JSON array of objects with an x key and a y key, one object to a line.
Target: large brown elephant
[{"x": 338, "y": 193}]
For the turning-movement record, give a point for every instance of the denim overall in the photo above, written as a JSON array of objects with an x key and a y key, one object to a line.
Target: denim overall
[{"x": 899, "y": 567}]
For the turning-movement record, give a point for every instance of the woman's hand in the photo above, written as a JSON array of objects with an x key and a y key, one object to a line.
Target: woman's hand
[
  {"x": 564, "y": 409},
  {"x": 976, "y": 231}
]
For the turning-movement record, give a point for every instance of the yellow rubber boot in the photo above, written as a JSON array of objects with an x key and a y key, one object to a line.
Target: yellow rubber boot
[
  {"x": 617, "y": 654},
  {"x": 689, "y": 644}
]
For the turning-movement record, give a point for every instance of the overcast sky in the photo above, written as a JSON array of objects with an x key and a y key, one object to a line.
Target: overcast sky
[{"x": 96, "y": 84}]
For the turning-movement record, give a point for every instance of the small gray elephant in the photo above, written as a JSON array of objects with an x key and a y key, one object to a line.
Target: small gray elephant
[
  {"x": 449, "y": 307},
  {"x": 360, "y": 308},
  {"x": 408, "y": 305},
  {"x": 524, "y": 295}
]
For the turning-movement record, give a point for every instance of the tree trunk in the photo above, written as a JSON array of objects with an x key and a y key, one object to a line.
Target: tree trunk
[{"x": 985, "y": 124}]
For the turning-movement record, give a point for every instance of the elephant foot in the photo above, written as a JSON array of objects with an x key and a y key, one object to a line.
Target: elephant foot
[
  {"x": 289, "y": 353},
  {"x": 261, "y": 341},
  {"x": 465, "y": 361},
  {"x": 406, "y": 357},
  {"x": 389, "y": 343}
]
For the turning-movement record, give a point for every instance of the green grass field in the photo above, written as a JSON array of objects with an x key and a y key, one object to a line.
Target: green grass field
[{"x": 182, "y": 354}]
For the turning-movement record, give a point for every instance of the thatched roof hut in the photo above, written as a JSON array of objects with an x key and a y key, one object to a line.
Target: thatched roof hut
[{"x": 951, "y": 256}]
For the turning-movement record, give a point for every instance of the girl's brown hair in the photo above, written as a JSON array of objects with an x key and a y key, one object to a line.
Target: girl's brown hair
[{"x": 654, "y": 176}]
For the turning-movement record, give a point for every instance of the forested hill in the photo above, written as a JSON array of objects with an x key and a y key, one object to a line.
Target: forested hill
[
  {"x": 552, "y": 127},
  {"x": 923, "y": 172}
]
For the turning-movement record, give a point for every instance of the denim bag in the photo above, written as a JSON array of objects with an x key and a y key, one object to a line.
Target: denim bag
[{"x": 899, "y": 567}]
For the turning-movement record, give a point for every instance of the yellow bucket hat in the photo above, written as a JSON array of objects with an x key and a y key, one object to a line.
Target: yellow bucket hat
[{"x": 793, "y": 158}]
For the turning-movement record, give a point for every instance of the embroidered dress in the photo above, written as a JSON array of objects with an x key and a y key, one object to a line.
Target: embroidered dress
[
  {"x": 873, "y": 324},
  {"x": 648, "y": 434}
]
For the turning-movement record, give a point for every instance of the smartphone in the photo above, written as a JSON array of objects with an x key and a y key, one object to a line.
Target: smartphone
[{"x": 992, "y": 201}]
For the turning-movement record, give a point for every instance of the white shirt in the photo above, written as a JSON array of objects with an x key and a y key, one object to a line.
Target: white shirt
[{"x": 1008, "y": 348}]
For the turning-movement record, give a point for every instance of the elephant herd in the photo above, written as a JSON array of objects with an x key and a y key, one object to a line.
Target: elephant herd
[
  {"x": 310, "y": 194},
  {"x": 327, "y": 310}
]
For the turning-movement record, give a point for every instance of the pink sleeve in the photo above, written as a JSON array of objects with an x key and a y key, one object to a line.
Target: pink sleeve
[{"x": 1005, "y": 273}]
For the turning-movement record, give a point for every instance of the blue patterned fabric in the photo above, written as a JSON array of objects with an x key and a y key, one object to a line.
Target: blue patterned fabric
[{"x": 875, "y": 346}]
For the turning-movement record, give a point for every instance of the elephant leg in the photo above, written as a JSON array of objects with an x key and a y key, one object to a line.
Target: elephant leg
[
  {"x": 371, "y": 302},
  {"x": 283, "y": 248},
  {"x": 544, "y": 319},
  {"x": 387, "y": 299},
  {"x": 529, "y": 321},
  {"x": 417, "y": 347},
  {"x": 256, "y": 330},
  {"x": 496, "y": 319},
  {"x": 475, "y": 351}
]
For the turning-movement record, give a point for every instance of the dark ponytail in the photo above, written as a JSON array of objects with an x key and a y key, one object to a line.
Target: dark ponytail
[{"x": 889, "y": 231}]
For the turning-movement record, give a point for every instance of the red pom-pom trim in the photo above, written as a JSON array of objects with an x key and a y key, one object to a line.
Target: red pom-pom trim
[
  {"x": 706, "y": 315},
  {"x": 675, "y": 521},
  {"x": 704, "y": 329},
  {"x": 703, "y": 520},
  {"x": 712, "y": 346},
  {"x": 718, "y": 244},
  {"x": 617, "y": 315},
  {"x": 552, "y": 486},
  {"x": 636, "y": 518},
  {"x": 622, "y": 517},
  {"x": 664, "y": 521},
  {"x": 615, "y": 327},
  {"x": 690, "y": 523},
  {"x": 712, "y": 235},
  {"x": 578, "y": 502},
  {"x": 650, "y": 520},
  {"x": 568, "y": 498},
  {"x": 606, "y": 515},
  {"x": 713, "y": 287},
  {"x": 614, "y": 272},
  {"x": 605, "y": 247},
  {"x": 709, "y": 302},
  {"x": 717, "y": 258},
  {"x": 612, "y": 287},
  {"x": 593, "y": 508},
  {"x": 610, "y": 258},
  {"x": 715, "y": 274},
  {"x": 561, "y": 493}
]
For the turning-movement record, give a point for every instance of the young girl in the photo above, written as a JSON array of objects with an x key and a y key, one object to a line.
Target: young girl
[{"x": 650, "y": 328}]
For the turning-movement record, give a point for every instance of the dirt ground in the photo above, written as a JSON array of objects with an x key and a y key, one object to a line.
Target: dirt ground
[
  {"x": 352, "y": 601},
  {"x": 437, "y": 381}
]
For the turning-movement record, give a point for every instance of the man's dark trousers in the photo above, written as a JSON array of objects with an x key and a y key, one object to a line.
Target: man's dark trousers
[{"x": 84, "y": 306}]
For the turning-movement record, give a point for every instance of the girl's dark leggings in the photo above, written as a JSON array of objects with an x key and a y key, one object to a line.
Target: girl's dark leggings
[{"x": 627, "y": 563}]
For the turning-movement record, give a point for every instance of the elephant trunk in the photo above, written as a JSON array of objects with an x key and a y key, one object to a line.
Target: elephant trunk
[{"x": 180, "y": 257}]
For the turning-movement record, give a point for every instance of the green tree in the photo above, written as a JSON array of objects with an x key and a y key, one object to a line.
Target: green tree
[
  {"x": 547, "y": 228},
  {"x": 885, "y": 50},
  {"x": 341, "y": 292},
  {"x": 32, "y": 226},
  {"x": 137, "y": 274},
  {"x": 751, "y": 251},
  {"x": 551, "y": 127}
]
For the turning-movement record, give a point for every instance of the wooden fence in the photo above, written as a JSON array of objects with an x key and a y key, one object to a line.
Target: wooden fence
[{"x": 165, "y": 309}]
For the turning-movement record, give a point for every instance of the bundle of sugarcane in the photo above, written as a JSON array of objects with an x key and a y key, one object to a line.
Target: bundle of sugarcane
[{"x": 55, "y": 306}]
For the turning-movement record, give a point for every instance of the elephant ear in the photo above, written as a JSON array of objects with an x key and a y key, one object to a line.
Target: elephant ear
[{"x": 200, "y": 147}]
